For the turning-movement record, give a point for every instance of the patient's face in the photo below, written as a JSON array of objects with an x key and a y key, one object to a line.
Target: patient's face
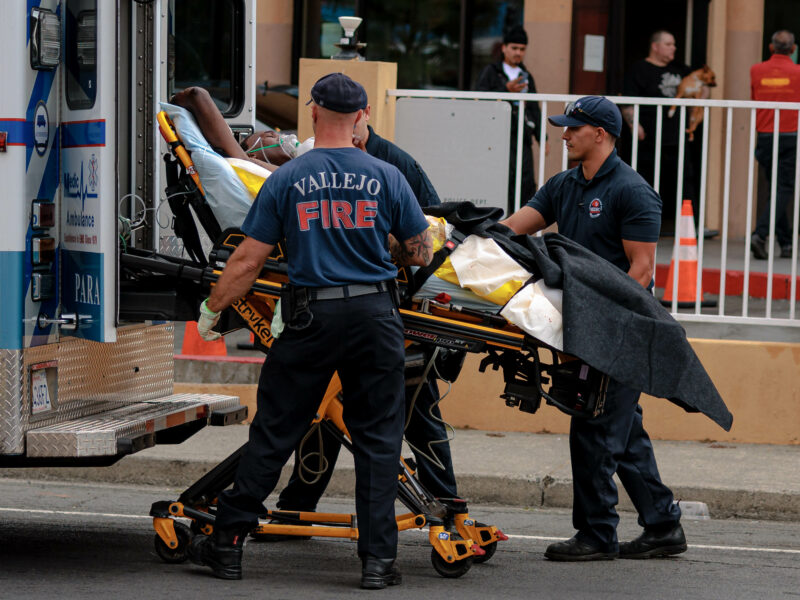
[{"x": 266, "y": 146}]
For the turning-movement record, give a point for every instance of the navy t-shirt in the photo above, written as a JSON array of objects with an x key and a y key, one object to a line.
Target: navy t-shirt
[
  {"x": 387, "y": 151},
  {"x": 335, "y": 207},
  {"x": 616, "y": 204}
]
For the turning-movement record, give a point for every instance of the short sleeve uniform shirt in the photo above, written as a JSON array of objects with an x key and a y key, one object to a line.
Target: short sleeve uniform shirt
[
  {"x": 616, "y": 204},
  {"x": 335, "y": 207},
  {"x": 388, "y": 152}
]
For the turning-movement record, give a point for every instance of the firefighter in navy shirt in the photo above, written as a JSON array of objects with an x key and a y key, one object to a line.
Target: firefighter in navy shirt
[
  {"x": 425, "y": 431},
  {"x": 339, "y": 211},
  {"x": 607, "y": 207}
]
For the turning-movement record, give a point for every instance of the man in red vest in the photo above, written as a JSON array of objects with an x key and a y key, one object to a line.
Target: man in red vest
[{"x": 776, "y": 80}]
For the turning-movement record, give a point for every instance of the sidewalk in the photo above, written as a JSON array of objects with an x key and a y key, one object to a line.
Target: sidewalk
[
  {"x": 734, "y": 268},
  {"x": 517, "y": 469}
]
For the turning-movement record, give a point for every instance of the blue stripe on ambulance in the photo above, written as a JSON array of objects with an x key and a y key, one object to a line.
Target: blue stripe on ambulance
[
  {"x": 41, "y": 91},
  {"x": 42, "y": 87},
  {"x": 20, "y": 132},
  {"x": 47, "y": 190},
  {"x": 83, "y": 133},
  {"x": 11, "y": 301}
]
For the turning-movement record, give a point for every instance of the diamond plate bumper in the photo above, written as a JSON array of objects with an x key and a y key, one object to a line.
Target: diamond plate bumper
[{"x": 104, "y": 434}]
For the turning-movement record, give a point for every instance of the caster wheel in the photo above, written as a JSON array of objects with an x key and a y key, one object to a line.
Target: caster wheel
[
  {"x": 450, "y": 570},
  {"x": 490, "y": 549},
  {"x": 178, "y": 554}
]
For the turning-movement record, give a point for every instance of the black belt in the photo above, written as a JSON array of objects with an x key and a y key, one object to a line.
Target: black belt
[{"x": 347, "y": 291}]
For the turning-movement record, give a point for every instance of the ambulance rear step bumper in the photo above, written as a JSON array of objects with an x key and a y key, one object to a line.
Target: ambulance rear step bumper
[{"x": 125, "y": 430}]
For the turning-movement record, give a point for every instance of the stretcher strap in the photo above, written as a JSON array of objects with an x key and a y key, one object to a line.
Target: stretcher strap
[
  {"x": 422, "y": 274},
  {"x": 184, "y": 225}
]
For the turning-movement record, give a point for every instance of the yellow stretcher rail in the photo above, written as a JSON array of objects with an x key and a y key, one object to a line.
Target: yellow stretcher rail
[{"x": 167, "y": 130}]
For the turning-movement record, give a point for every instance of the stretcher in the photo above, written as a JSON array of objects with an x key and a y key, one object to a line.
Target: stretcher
[{"x": 532, "y": 371}]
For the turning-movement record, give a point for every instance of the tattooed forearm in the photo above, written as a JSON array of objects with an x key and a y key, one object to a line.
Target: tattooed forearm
[
  {"x": 417, "y": 250},
  {"x": 627, "y": 113}
]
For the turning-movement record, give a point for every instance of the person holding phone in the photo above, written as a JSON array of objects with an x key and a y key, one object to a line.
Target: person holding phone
[{"x": 510, "y": 75}]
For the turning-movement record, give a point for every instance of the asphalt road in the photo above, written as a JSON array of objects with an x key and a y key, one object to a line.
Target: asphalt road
[{"x": 70, "y": 540}]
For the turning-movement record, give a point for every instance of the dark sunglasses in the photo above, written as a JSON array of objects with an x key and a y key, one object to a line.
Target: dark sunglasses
[{"x": 576, "y": 111}]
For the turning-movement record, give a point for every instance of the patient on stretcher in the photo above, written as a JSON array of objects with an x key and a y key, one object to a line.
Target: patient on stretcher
[{"x": 478, "y": 274}]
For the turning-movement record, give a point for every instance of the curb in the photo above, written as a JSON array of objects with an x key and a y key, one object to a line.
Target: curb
[
  {"x": 734, "y": 282},
  {"x": 478, "y": 489}
]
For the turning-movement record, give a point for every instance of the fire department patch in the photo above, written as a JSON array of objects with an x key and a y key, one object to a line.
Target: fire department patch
[{"x": 595, "y": 208}]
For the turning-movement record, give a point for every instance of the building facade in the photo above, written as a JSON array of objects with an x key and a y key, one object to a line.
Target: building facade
[{"x": 443, "y": 44}]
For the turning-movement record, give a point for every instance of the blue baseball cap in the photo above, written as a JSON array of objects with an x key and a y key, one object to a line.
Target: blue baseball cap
[
  {"x": 339, "y": 93},
  {"x": 591, "y": 110}
]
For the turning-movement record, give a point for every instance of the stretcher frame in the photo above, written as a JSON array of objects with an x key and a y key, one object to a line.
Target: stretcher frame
[{"x": 428, "y": 321}]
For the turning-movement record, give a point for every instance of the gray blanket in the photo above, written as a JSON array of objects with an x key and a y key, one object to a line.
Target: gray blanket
[{"x": 610, "y": 321}]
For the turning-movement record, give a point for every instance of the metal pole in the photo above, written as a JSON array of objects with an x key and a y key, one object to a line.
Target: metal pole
[
  {"x": 726, "y": 200},
  {"x": 518, "y": 165},
  {"x": 773, "y": 193},
  {"x": 749, "y": 213}
]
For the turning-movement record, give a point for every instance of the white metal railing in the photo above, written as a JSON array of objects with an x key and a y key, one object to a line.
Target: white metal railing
[{"x": 751, "y": 312}]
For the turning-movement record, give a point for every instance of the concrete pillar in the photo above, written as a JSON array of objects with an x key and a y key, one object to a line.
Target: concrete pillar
[
  {"x": 375, "y": 76},
  {"x": 745, "y": 32},
  {"x": 734, "y": 43},
  {"x": 549, "y": 27},
  {"x": 274, "y": 41}
]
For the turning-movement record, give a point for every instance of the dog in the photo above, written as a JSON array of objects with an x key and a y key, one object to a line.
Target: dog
[{"x": 696, "y": 84}]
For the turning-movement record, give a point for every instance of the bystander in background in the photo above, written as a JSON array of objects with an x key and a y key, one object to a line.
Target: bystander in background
[
  {"x": 776, "y": 80},
  {"x": 658, "y": 76},
  {"x": 510, "y": 75}
]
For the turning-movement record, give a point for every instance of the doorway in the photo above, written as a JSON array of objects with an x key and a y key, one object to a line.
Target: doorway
[{"x": 620, "y": 31}]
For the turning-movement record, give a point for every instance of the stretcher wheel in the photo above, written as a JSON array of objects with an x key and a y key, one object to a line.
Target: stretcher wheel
[
  {"x": 178, "y": 554},
  {"x": 450, "y": 570},
  {"x": 489, "y": 549}
]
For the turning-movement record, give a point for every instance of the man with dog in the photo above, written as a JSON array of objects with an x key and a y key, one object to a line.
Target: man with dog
[
  {"x": 659, "y": 76},
  {"x": 776, "y": 80}
]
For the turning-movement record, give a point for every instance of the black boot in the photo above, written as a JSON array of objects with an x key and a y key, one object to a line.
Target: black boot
[
  {"x": 222, "y": 552},
  {"x": 377, "y": 573},
  {"x": 758, "y": 246},
  {"x": 574, "y": 549},
  {"x": 655, "y": 542}
]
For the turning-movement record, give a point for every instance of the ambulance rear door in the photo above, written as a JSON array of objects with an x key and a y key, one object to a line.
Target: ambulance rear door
[{"x": 88, "y": 168}]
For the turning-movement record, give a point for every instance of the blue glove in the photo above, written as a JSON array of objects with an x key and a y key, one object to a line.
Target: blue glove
[{"x": 208, "y": 318}]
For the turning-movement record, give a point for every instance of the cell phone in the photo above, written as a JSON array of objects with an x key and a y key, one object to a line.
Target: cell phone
[{"x": 523, "y": 78}]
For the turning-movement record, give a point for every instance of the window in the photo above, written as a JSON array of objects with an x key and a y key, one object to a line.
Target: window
[
  {"x": 490, "y": 19},
  {"x": 435, "y": 43},
  {"x": 423, "y": 38},
  {"x": 80, "y": 53},
  {"x": 207, "y": 50}
]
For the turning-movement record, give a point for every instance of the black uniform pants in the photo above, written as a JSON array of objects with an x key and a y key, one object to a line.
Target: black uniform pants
[
  {"x": 787, "y": 153},
  {"x": 422, "y": 428},
  {"x": 615, "y": 442},
  {"x": 362, "y": 339}
]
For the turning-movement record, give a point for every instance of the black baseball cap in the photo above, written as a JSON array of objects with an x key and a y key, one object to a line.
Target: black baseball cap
[
  {"x": 515, "y": 35},
  {"x": 591, "y": 110},
  {"x": 339, "y": 93}
]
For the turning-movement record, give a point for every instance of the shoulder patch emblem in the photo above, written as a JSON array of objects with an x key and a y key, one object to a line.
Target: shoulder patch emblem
[{"x": 595, "y": 208}]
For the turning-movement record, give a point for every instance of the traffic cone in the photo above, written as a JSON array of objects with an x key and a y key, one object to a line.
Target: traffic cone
[
  {"x": 687, "y": 264},
  {"x": 194, "y": 345}
]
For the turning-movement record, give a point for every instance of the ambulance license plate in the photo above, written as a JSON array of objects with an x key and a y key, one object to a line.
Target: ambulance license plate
[{"x": 41, "y": 394}]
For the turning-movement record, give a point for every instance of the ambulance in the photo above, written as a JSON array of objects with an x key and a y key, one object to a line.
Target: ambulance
[{"x": 86, "y": 363}]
